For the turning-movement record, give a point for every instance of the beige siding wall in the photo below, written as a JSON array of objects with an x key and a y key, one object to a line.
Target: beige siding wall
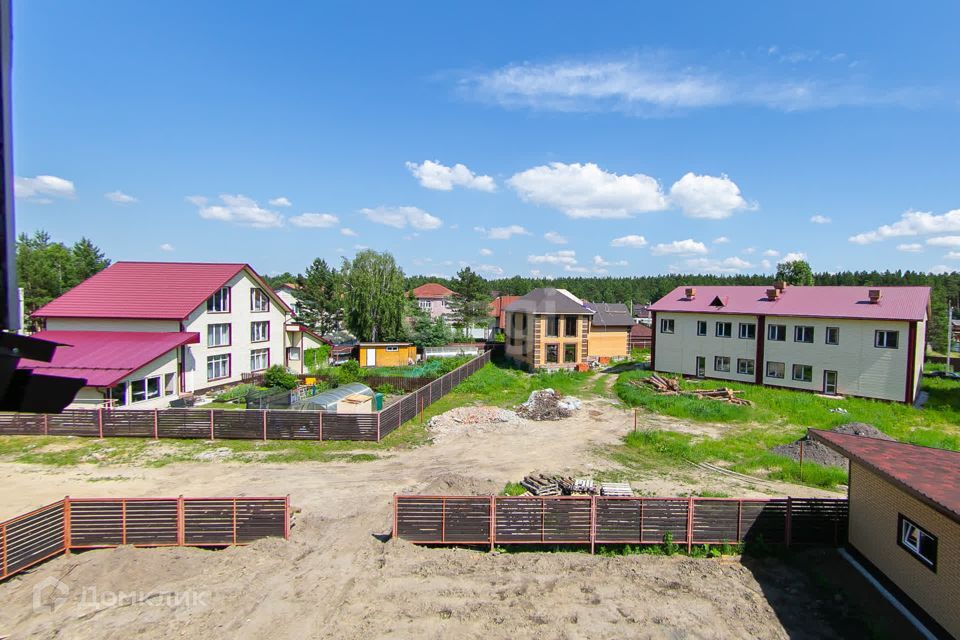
[
  {"x": 108, "y": 324},
  {"x": 874, "y": 507},
  {"x": 677, "y": 352},
  {"x": 604, "y": 342}
]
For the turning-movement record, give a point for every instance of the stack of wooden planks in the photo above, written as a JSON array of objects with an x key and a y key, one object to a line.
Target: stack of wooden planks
[{"x": 671, "y": 387}]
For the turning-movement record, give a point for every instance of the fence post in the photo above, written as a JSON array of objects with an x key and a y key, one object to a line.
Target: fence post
[
  {"x": 180, "y": 523},
  {"x": 264, "y": 426},
  {"x": 493, "y": 521},
  {"x": 66, "y": 525},
  {"x": 156, "y": 420},
  {"x": 123, "y": 521},
  {"x": 788, "y": 534},
  {"x": 690, "y": 525}
]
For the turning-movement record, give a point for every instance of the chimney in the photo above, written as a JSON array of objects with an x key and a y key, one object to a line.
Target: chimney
[
  {"x": 773, "y": 294},
  {"x": 780, "y": 285},
  {"x": 691, "y": 293},
  {"x": 875, "y": 295}
]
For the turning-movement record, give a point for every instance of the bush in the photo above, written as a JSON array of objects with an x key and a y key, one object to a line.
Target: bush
[{"x": 277, "y": 376}]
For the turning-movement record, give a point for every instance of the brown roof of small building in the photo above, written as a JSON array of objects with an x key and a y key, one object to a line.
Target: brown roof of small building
[
  {"x": 549, "y": 300},
  {"x": 928, "y": 474}
]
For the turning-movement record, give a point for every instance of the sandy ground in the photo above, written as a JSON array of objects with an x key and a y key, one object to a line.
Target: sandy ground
[{"x": 337, "y": 578}]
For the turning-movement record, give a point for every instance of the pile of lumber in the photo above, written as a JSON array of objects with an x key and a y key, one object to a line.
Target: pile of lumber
[{"x": 671, "y": 387}]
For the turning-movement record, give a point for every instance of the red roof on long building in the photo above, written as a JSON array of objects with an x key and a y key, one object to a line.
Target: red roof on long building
[
  {"x": 142, "y": 290},
  {"x": 930, "y": 475},
  {"x": 432, "y": 290},
  {"x": 104, "y": 358},
  {"x": 896, "y": 303}
]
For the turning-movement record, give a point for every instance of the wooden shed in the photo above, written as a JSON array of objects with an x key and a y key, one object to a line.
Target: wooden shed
[{"x": 387, "y": 354}]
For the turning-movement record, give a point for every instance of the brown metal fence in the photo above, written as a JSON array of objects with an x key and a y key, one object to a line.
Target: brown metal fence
[
  {"x": 591, "y": 520},
  {"x": 250, "y": 424},
  {"x": 96, "y": 523}
]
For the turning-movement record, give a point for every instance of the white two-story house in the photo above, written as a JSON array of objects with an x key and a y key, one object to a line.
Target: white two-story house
[
  {"x": 856, "y": 341},
  {"x": 143, "y": 333}
]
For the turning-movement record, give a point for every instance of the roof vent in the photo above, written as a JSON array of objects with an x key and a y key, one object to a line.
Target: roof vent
[
  {"x": 691, "y": 293},
  {"x": 780, "y": 285},
  {"x": 773, "y": 294},
  {"x": 875, "y": 295}
]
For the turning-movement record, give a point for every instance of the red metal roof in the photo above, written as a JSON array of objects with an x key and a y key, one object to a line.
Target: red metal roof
[
  {"x": 930, "y": 475},
  {"x": 148, "y": 290},
  {"x": 432, "y": 290},
  {"x": 896, "y": 303},
  {"x": 104, "y": 358}
]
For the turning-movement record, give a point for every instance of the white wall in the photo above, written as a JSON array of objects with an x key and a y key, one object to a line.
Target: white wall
[{"x": 240, "y": 316}]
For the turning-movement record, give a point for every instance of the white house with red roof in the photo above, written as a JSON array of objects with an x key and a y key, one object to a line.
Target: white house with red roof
[
  {"x": 142, "y": 333},
  {"x": 857, "y": 341},
  {"x": 434, "y": 298}
]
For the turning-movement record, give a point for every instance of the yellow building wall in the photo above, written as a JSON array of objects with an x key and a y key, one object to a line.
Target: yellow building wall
[
  {"x": 603, "y": 342},
  {"x": 384, "y": 358},
  {"x": 874, "y": 507}
]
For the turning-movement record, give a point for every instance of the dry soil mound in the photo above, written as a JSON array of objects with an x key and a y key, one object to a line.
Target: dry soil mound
[{"x": 818, "y": 453}]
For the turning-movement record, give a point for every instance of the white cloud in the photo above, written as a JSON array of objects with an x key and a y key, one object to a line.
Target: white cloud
[
  {"x": 119, "y": 197},
  {"x": 771, "y": 253},
  {"x": 679, "y": 247},
  {"x": 598, "y": 261},
  {"x": 486, "y": 252},
  {"x": 662, "y": 82},
  {"x": 554, "y": 238},
  {"x": 280, "y": 202},
  {"x": 503, "y": 233},
  {"x": 721, "y": 240},
  {"x": 912, "y": 223},
  {"x": 944, "y": 241},
  {"x": 347, "y": 231},
  {"x": 566, "y": 257},
  {"x": 819, "y": 219},
  {"x": 913, "y": 247},
  {"x": 315, "y": 220},
  {"x": 587, "y": 191},
  {"x": 41, "y": 189},
  {"x": 793, "y": 256},
  {"x": 237, "y": 209},
  {"x": 631, "y": 241},
  {"x": 434, "y": 175},
  {"x": 710, "y": 197},
  {"x": 709, "y": 265},
  {"x": 401, "y": 217},
  {"x": 166, "y": 246}
]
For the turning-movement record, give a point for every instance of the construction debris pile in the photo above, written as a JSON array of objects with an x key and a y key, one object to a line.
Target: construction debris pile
[
  {"x": 542, "y": 485},
  {"x": 547, "y": 404},
  {"x": 671, "y": 387}
]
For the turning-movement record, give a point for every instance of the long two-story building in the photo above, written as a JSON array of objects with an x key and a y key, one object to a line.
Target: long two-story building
[
  {"x": 144, "y": 333},
  {"x": 856, "y": 341}
]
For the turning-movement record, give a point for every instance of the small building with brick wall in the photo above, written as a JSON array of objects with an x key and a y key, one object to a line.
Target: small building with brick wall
[{"x": 905, "y": 522}]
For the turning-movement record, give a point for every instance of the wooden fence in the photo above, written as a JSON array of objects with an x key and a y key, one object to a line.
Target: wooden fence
[
  {"x": 97, "y": 523},
  {"x": 591, "y": 520},
  {"x": 238, "y": 424}
]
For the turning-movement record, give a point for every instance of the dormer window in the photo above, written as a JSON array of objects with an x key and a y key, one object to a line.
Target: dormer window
[{"x": 219, "y": 302}]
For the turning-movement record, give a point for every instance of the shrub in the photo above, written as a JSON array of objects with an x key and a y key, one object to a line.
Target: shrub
[{"x": 277, "y": 376}]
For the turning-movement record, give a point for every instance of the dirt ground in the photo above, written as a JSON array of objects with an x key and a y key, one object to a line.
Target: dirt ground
[{"x": 337, "y": 578}]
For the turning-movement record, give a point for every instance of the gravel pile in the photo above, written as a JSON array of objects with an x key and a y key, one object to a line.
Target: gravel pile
[
  {"x": 547, "y": 404},
  {"x": 820, "y": 454}
]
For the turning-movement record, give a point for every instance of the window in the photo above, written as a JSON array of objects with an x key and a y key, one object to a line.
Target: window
[
  {"x": 724, "y": 329},
  {"x": 259, "y": 359},
  {"x": 701, "y": 327},
  {"x": 218, "y": 367},
  {"x": 259, "y": 300},
  {"x": 745, "y": 366},
  {"x": 833, "y": 335},
  {"x": 921, "y": 544},
  {"x": 553, "y": 326},
  {"x": 721, "y": 363},
  {"x": 803, "y": 373},
  {"x": 570, "y": 326},
  {"x": 145, "y": 389},
  {"x": 569, "y": 353},
  {"x": 219, "y": 302},
  {"x": 666, "y": 325},
  {"x": 802, "y": 334},
  {"x": 775, "y": 370},
  {"x": 886, "y": 339},
  {"x": 293, "y": 354},
  {"x": 553, "y": 353},
  {"x": 218, "y": 335},
  {"x": 777, "y": 333},
  {"x": 748, "y": 331},
  {"x": 393, "y": 349},
  {"x": 260, "y": 331}
]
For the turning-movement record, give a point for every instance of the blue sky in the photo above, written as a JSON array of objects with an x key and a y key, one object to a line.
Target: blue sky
[{"x": 544, "y": 138}]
